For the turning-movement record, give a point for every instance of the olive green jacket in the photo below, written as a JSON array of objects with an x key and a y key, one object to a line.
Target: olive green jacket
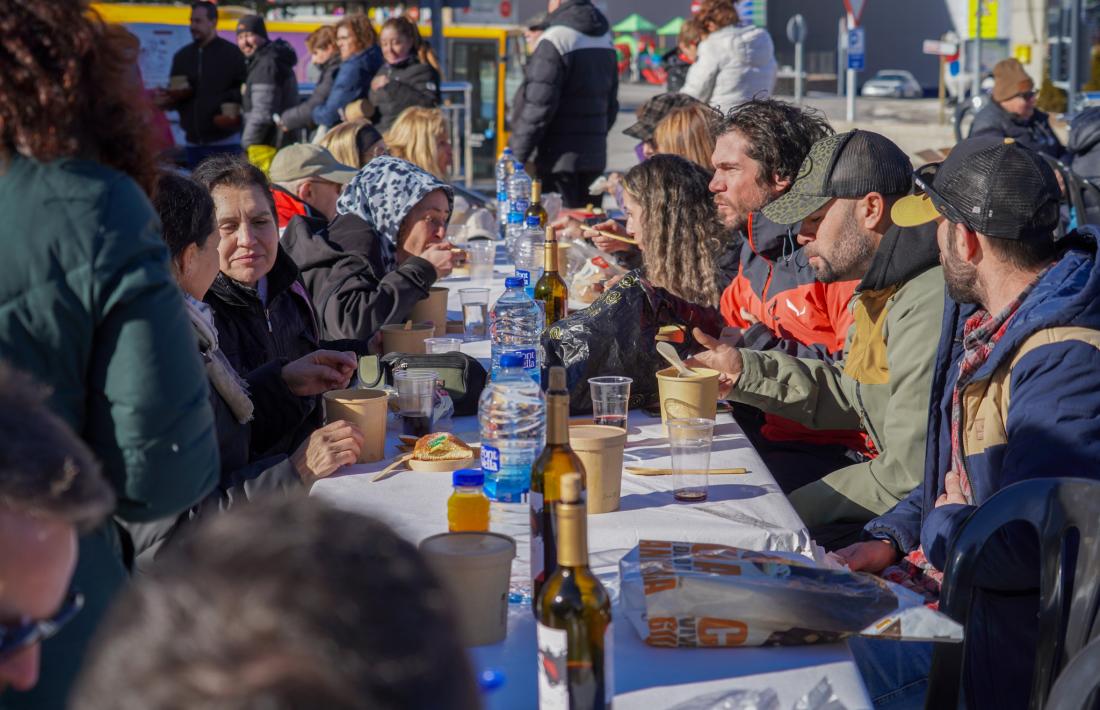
[{"x": 882, "y": 386}]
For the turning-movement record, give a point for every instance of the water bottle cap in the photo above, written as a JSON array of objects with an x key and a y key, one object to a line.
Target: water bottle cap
[
  {"x": 511, "y": 359},
  {"x": 513, "y": 282},
  {"x": 468, "y": 477},
  {"x": 508, "y": 150}
]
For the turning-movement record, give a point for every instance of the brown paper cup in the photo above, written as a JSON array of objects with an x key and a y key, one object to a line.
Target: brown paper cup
[
  {"x": 365, "y": 409},
  {"x": 433, "y": 309},
  {"x": 684, "y": 397},
  {"x": 231, "y": 109},
  {"x": 475, "y": 568},
  {"x": 178, "y": 82},
  {"x": 600, "y": 449},
  {"x": 395, "y": 339}
]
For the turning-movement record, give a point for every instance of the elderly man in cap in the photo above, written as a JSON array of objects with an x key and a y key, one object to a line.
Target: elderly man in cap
[
  {"x": 1014, "y": 394},
  {"x": 842, "y": 197},
  {"x": 1012, "y": 112},
  {"x": 306, "y": 181},
  {"x": 269, "y": 88}
]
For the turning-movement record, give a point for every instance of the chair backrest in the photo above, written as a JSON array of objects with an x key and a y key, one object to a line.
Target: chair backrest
[
  {"x": 1069, "y": 584},
  {"x": 1077, "y": 687}
]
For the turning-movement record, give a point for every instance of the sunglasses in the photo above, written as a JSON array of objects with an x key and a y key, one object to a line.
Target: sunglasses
[
  {"x": 922, "y": 180},
  {"x": 1026, "y": 95},
  {"x": 14, "y": 639}
]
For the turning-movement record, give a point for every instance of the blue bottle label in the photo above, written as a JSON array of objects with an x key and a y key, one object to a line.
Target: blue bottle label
[
  {"x": 520, "y": 205},
  {"x": 502, "y": 196},
  {"x": 515, "y": 218},
  {"x": 533, "y": 222},
  {"x": 490, "y": 459},
  {"x": 525, "y": 275},
  {"x": 530, "y": 359}
]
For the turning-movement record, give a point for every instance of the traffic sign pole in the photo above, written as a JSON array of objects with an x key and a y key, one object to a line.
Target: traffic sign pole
[{"x": 850, "y": 112}]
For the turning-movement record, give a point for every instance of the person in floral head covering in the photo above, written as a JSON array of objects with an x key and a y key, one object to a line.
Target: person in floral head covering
[{"x": 381, "y": 254}]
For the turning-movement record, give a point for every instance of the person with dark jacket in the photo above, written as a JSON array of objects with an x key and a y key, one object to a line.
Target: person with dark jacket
[
  {"x": 214, "y": 69},
  {"x": 679, "y": 59},
  {"x": 568, "y": 101},
  {"x": 1013, "y": 395},
  {"x": 381, "y": 254},
  {"x": 270, "y": 88},
  {"x": 1012, "y": 113},
  {"x": 321, "y": 44},
  {"x": 408, "y": 78},
  {"x": 360, "y": 60}
]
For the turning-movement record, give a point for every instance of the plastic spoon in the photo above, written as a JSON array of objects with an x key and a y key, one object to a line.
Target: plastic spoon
[{"x": 669, "y": 353}]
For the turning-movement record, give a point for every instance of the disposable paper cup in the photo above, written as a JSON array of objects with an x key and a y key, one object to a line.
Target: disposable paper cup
[
  {"x": 688, "y": 397},
  {"x": 475, "y": 567},
  {"x": 432, "y": 309},
  {"x": 600, "y": 449},
  {"x": 395, "y": 339},
  {"x": 231, "y": 109},
  {"x": 365, "y": 409},
  {"x": 178, "y": 82}
]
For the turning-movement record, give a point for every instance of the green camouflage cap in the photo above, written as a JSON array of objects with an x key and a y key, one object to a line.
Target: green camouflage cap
[{"x": 848, "y": 165}]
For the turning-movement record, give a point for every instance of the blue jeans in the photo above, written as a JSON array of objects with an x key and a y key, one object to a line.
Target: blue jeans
[
  {"x": 895, "y": 672},
  {"x": 197, "y": 153}
]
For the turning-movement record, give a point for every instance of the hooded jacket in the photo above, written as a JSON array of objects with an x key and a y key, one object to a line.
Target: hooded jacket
[
  {"x": 676, "y": 69},
  {"x": 301, "y": 116},
  {"x": 215, "y": 73},
  {"x": 881, "y": 386},
  {"x": 732, "y": 65},
  {"x": 1031, "y": 410},
  {"x": 411, "y": 83},
  {"x": 1034, "y": 133},
  {"x": 270, "y": 87},
  {"x": 352, "y": 82},
  {"x": 569, "y": 97},
  {"x": 350, "y": 269},
  {"x": 1084, "y": 144}
]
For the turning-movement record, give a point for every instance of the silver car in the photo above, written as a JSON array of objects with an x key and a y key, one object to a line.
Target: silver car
[{"x": 896, "y": 83}]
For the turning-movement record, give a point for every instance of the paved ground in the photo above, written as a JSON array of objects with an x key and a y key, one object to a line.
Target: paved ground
[{"x": 911, "y": 123}]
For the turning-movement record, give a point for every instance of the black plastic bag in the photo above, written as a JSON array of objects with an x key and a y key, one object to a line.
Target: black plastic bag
[{"x": 617, "y": 334}]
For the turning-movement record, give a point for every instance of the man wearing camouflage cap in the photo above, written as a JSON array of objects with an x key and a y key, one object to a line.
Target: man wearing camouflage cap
[{"x": 843, "y": 195}]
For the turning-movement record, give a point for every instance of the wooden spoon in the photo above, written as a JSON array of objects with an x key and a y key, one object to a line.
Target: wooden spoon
[
  {"x": 669, "y": 353},
  {"x": 612, "y": 235},
  {"x": 391, "y": 470}
]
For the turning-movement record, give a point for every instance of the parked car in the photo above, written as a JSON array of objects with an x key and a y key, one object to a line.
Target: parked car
[{"x": 897, "y": 83}]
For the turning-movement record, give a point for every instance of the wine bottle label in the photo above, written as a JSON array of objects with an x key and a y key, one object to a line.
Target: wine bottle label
[
  {"x": 553, "y": 671},
  {"x": 609, "y": 664},
  {"x": 538, "y": 565}
]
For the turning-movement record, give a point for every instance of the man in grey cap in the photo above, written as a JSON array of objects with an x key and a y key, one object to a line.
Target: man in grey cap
[
  {"x": 306, "y": 180},
  {"x": 842, "y": 196}
]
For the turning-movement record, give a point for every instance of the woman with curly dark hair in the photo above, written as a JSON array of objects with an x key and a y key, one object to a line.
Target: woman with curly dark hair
[{"x": 87, "y": 302}]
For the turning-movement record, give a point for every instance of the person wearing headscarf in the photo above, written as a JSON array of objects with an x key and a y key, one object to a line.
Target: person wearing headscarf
[{"x": 383, "y": 251}]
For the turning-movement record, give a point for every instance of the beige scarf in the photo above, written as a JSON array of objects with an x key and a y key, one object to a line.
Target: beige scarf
[{"x": 221, "y": 374}]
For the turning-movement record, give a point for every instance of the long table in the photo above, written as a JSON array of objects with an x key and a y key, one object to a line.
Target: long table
[{"x": 745, "y": 510}]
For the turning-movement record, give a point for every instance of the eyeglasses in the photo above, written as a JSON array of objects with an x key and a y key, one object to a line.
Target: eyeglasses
[
  {"x": 436, "y": 223},
  {"x": 1026, "y": 95},
  {"x": 14, "y": 639}
]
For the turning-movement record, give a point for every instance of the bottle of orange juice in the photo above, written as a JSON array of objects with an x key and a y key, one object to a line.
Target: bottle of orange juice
[{"x": 468, "y": 508}]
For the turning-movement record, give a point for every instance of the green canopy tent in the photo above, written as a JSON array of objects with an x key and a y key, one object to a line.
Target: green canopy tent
[
  {"x": 634, "y": 24},
  {"x": 671, "y": 28}
]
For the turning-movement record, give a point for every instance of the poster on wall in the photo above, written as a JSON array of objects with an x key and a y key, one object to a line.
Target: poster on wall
[{"x": 158, "y": 44}]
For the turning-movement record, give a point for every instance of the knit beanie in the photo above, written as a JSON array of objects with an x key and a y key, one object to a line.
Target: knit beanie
[
  {"x": 1010, "y": 79},
  {"x": 252, "y": 23}
]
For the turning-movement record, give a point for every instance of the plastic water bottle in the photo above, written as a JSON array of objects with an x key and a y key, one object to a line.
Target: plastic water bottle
[
  {"x": 529, "y": 254},
  {"x": 515, "y": 326},
  {"x": 512, "y": 413},
  {"x": 504, "y": 167}
]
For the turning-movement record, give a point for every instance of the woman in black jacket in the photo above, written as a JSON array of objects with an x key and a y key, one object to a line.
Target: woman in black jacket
[
  {"x": 321, "y": 44},
  {"x": 410, "y": 76},
  {"x": 383, "y": 251}
]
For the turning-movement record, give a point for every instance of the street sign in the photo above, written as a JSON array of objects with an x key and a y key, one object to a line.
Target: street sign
[
  {"x": 855, "y": 9},
  {"x": 796, "y": 29},
  {"x": 939, "y": 48},
  {"x": 855, "y": 48}
]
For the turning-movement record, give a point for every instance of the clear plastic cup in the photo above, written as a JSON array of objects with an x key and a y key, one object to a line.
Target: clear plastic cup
[
  {"x": 689, "y": 441},
  {"x": 482, "y": 254},
  {"x": 443, "y": 345},
  {"x": 610, "y": 400},
  {"x": 415, "y": 400},
  {"x": 475, "y": 312}
]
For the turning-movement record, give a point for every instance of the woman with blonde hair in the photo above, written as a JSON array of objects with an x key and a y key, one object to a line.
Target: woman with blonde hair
[
  {"x": 687, "y": 132},
  {"x": 671, "y": 213},
  {"x": 421, "y": 136},
  {"x": 354, "y": 143}
]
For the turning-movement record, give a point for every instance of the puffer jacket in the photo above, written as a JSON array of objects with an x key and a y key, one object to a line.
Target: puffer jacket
[
  {"x": 301, "y": 116},
  {"x": 569, "y": 97},
  {"x": 1030, "y": 411},
  {"x": 352, "y": 82},
  {"x": 411, "y": 83},
  {"x": 676, "y": 69},
  {"x": 1084, "y": 144},
  {"x": 270, "y": 87},
  {"x": 90, "y": 308},
  {"x": 733, "y": 65},
  {"x": 881, "y": 387},
  {"x": 793, "y": 312},
  {"x": 344, "y": 270},
  {"x": 1034, "y": 133},
  {"x": 252, "y": 334}
]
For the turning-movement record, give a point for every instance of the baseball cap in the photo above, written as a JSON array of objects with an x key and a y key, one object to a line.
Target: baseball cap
[
  {"x": 305, "y": 160},
  {"x": 848, "y": 165},
  {"x": 652, "y": 111},
  {"x": 993, "y": 185}
]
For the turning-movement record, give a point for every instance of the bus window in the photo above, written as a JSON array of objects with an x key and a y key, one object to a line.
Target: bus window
[
  {"x": 516, "y": 58},
  {"x": 475, "y": 61}
]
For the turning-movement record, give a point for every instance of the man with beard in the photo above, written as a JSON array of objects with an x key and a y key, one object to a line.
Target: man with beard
[
  {"x": 214, "y": 69},
  {"x": 1013, "y": 397},
  {"x": 842, "y": 197},
  {"x": 269, "y": 88}
]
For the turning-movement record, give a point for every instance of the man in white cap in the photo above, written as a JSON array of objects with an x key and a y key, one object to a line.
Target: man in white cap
[{"x": 306, "y": 180}]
